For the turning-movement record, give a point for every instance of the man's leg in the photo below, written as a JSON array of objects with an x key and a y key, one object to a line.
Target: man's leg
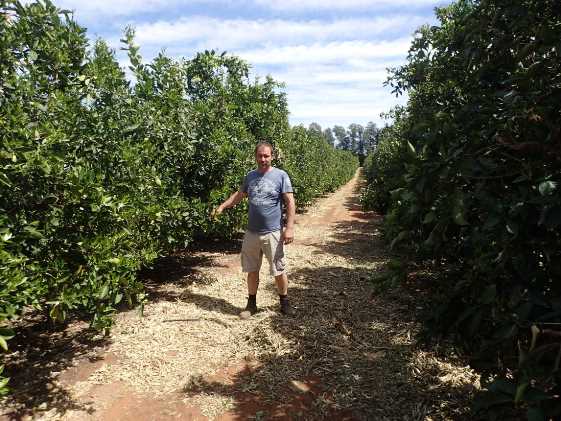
[
  {"x": 282, "y": 283},
  {"x": 252, "y": 282},
  {"x": 251, "y": 257},
  {"x": 275, "y": 254},
  {"x": 282, "y": 288}
]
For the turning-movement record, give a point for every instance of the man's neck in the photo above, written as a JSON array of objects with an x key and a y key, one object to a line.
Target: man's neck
[{"x": 266, "y": 170}]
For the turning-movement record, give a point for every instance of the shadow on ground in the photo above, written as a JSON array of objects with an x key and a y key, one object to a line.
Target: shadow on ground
[
  {"x": 351, "y": 357},
  {"x": 218, "y": 245},
  {"x": 38, "y": 353},
  {"x": 359, "y": 240},
  {"x": 352, "y": 353},
  {"x": 180, "y": 269}
]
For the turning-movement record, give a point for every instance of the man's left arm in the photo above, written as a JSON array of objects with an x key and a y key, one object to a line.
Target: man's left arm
[{"x": 288, "y": 233}]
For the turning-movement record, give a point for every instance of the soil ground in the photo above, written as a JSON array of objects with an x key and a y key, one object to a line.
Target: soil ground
[{"x": 347, "y": 353}]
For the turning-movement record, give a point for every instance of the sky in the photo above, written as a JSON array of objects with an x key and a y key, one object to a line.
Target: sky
[{"x": 332, "y": 55}]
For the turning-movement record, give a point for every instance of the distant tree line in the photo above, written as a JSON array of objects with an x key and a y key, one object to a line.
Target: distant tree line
[{"x": 356, "y": 138}]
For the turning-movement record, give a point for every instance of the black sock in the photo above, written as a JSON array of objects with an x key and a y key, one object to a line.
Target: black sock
[
  {"x": 252, "y": 299},
  {"x": 283, "y": 297}
]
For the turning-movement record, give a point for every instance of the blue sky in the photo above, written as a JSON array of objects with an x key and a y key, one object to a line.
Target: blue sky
[{"x": 331, "y": 54}]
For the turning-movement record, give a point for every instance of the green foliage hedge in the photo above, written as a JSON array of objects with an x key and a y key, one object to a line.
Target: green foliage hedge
[
  {"x": 100, "y": 176},
  {"x": 479, "y": 192},
  {"x": 384, "y": 167}
]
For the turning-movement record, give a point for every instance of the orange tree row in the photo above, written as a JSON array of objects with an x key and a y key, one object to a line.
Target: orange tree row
[
  {"x": 98, "y": 176},
  {"x": 469, "y": 175}
]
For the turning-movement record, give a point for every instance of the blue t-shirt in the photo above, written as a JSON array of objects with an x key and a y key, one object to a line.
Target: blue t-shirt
[{"x": 265, "y": 199}]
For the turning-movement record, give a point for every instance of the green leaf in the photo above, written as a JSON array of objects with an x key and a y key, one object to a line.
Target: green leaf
[
  {"x": 400, "y": 237},
  {"x": 458, "y": 210},
  {"x": 33, "y": 232},
  {"x": 411, "y": 148},
  {"x": 104, "y": 292},
  {"x": 4, "y": 381},
  {"x": 3, "y": 343},
  {"x": 7, "y": 333},
  {"x": 520, "y": 392},
  {"x": 6, "y": 236},
  {"x": 512, "y": 228},
  {"x": 535, "y": 332},
  {"x": 57, "y": 313},
  {"x": 429, "y": 217},
  {"x": 459, "y": 218},
  {"x": 547, "y": 187},
  {"x": 130, "y": 128},
  {"x": 42, "y": 107}
]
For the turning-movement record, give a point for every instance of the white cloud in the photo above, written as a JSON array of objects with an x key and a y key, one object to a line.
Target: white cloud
[
  {"x": 331, "y": 95},
  {"x": 352, "y": 77},
  {"x": 112, "y": 7},
  {"x": 330, "y": 82},
  {"x": 300, "y": 77},
  {"x": 329, "y": 114},
  {"x": 332, "y": 55},
  {"x": 333, "y": 52},
  {"x": 342, "y": 5},
  {"x": 319, "y": 93},
  {"x": 98, "y": 8},
  {"x": 206, "y": 32}
]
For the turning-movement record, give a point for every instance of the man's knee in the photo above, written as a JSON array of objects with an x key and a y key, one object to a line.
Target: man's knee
[{"x": 281, "y": 277}]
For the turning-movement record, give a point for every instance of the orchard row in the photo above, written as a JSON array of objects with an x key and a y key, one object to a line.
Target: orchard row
[
  {"x": 100, "y": 176},
  {"x": 469, "y": 175}
]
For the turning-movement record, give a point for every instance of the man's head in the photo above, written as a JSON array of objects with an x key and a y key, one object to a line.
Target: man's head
[{"x": 263, "y": 156}]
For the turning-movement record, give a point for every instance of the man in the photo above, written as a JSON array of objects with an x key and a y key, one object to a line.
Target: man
[{"x": 267, "y": 188}]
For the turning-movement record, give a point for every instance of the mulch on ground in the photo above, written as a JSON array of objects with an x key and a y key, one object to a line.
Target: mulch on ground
[{"x": 348, "y": 352}]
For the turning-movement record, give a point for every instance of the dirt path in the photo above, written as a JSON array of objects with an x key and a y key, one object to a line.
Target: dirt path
[{"x": 347, "y": 353}]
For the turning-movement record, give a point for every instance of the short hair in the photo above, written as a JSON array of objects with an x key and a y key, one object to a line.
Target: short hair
[{"x": 264, "y": 143}]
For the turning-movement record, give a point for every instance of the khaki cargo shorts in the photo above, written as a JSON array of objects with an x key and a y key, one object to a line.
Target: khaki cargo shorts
[{"x": 256, "y": 245}]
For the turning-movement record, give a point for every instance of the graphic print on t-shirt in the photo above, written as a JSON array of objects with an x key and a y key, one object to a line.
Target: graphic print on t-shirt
[{"x": 262, "y": 192}]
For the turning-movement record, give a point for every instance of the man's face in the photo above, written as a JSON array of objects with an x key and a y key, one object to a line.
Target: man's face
[{"x": 263, "y": 156}]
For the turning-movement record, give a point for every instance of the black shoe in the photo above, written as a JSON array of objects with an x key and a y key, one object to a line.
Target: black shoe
[
  {"x": 251, "y": 307},
  {"x": 285, "y": 307},
  {"x": 250, "y": 310}
]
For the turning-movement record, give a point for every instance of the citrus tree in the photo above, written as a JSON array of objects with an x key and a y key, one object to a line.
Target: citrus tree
[
  {"x": 100, "y": 176},
  {"x": 479, "y": 146}
]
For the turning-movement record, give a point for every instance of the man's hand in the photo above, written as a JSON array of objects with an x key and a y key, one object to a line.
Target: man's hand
[
  {"x": 216, "y": 212},
  {"x": 288, "y": 233},
  {"x": 233, "y": 200},
  {"x": 287, "y": 236}
]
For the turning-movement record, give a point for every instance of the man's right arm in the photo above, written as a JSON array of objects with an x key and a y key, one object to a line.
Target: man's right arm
[{"x": 232, "y": 201}]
